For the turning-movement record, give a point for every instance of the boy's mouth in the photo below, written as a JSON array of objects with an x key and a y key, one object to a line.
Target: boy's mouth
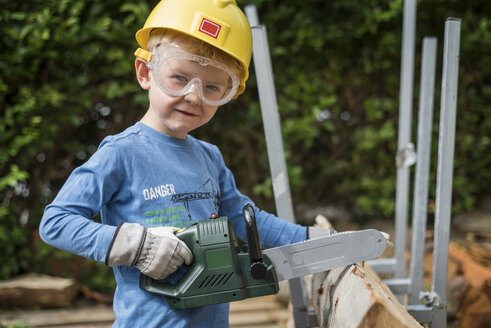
[{"x": 186, "y": 113}]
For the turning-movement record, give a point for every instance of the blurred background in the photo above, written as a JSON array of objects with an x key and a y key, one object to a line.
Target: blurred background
[{"x": 67, "y": 80}]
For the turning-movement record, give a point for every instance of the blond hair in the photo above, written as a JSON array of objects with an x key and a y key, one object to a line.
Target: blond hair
[{"x": 161, "y": 37}]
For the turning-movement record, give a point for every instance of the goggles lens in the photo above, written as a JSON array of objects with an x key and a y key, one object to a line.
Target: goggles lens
[{"x": 178, "y": 73}]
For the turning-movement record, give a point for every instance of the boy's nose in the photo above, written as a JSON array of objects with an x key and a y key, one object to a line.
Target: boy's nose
[{"x": 192, "y": 96}]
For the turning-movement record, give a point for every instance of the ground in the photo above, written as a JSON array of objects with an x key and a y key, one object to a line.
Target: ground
[{"x": 469, "y": 287}]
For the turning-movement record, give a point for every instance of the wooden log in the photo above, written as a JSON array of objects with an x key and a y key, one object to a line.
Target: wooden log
[
  {"x": 355, "y": 297},
  {"x": 38, "y": 290}
]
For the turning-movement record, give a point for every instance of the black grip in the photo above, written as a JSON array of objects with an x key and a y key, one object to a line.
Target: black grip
[
  {"x": 258, "y": 269},
  {"x": 253, "y": 242}
]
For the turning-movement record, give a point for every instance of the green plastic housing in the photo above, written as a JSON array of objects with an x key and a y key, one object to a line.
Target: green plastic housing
[{"x": 219, "y": 272}]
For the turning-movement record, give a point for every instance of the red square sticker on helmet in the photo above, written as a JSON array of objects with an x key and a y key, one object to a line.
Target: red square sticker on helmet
[{"x": 210, "y": 28}]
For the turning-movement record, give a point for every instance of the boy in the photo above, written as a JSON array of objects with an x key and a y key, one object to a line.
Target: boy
[{"x": 154, "y": 177}]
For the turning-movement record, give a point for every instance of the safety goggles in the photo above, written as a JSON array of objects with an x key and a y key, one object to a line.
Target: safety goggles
[{"x": 178, "y": 73}]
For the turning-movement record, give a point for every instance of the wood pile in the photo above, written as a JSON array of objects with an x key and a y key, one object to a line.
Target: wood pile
[
  {"x": 469, "y": 285},
  {"x": 469, "y": 270}
]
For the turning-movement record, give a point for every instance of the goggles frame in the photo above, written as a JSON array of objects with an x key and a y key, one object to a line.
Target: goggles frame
[{"x": 165, "y": 53}]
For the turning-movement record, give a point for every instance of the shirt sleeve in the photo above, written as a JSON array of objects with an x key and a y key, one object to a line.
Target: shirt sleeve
[
  {"x": 273, "y": 231},
  {"x": 67, "y": 222}
]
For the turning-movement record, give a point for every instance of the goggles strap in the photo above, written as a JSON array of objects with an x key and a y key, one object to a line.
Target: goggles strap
[{"x": 143, "y": 54}]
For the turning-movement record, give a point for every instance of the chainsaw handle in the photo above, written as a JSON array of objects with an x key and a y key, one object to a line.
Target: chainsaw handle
[
  {"x": 161, "y": 287},
  {"x": 253, "y": 242},
  {"x": 258, "y": 269},
  {"x": 176, "y": 283}
]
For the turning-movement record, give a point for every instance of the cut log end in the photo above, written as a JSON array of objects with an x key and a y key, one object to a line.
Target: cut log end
[{"x": 354, "y": 296}]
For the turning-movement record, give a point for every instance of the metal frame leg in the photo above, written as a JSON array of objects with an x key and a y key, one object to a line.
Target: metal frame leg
[
  {"x": 422, "y": 174},
  {"x": 397, "y": 264},
  {"x": 303, "y": 315},
  {"x": 404, "y": 136},
  {"x": 444, "y": 180}
]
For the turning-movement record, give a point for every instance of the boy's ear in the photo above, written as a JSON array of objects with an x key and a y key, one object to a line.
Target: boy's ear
[{"x": 142, "y": 73}]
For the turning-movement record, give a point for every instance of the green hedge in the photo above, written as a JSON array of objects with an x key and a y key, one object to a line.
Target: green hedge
[{"x": 67, "y": 80}]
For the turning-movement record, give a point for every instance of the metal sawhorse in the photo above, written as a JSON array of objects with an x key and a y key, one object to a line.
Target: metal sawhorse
[{"x": 427, "y": 307}]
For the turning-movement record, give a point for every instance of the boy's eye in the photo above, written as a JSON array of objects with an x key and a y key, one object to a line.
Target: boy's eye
[
  {"x": 213, "y": 88},
  {"x": 180, "y": 78}
]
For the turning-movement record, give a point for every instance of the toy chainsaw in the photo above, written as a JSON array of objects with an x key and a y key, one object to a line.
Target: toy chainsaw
[{"x": 221, "y": 272}]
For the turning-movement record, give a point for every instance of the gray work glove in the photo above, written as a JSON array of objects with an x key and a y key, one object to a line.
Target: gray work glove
[
  {"x": 316, "y": 232},
  {"x": 156, "y": 252}
]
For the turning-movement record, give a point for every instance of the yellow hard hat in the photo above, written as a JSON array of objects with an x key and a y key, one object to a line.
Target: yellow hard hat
[{"x": 219, "y": 23}]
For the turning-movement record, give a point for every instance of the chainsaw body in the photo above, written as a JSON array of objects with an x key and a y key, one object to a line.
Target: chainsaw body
[{"x": 220, "y": 271}]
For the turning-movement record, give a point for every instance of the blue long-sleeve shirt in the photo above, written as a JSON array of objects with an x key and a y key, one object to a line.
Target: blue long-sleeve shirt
[{"x": 146, "y": 177}]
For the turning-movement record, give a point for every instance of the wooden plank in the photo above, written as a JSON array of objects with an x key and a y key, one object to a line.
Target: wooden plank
[
  {"x": 257, "y": 318},
  {"x": 256, "y": 303},
  {"x": 260, "y": 312},
  {"x": 255, "y": 312}
]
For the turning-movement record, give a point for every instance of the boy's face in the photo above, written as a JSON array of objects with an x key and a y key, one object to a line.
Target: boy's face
[
  {"x": 178, "y": 72},
  {"x": 175, "y": 116}
]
